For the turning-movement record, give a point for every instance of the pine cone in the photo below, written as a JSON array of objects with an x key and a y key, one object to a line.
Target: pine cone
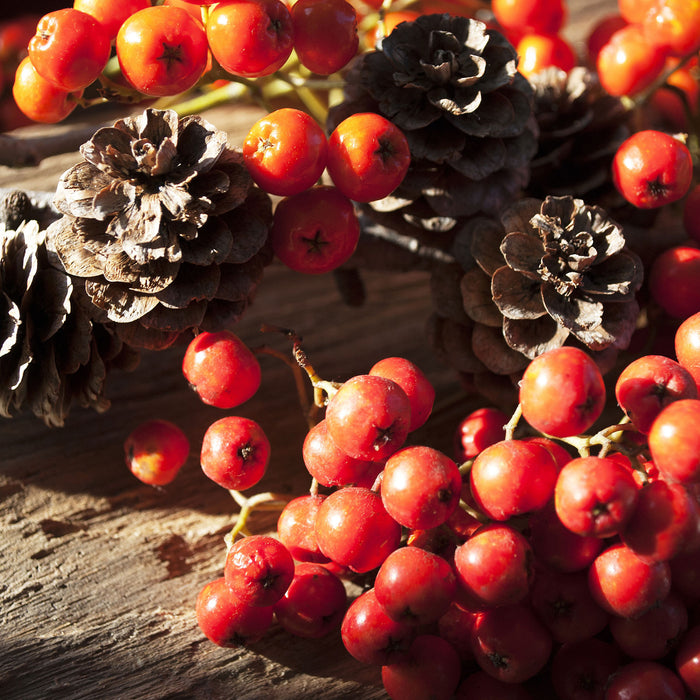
[
  {"x": 51, "y": 354},
  {"x": 453, "y": 88},
  {"x": 163, "y": 226},
  {"x": 549, "y": 272},
  {"x": 581, "y": 127}
]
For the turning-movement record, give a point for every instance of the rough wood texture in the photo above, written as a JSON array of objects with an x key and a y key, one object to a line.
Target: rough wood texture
[{"x": 99, "y": 573}]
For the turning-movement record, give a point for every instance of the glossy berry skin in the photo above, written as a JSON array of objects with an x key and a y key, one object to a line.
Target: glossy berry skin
[
  {"x": 562, "y": 392},
  {"x": 60, "y": 53},
  {"x": 595, "y": 496},
  {"x": 673, "y": 281},
  {"x": 314, "y": 604},
  {"x": 624, "y": 585},
  {"x": 512, "y": 477},
  {"x": 494, "y": 566},
  {"x": 648, "y": 384},
  {"x": 111, "y": 14},
  {"x": 545, "y": 16},
  {"x": 414, "y": 585},
  {"x": 315, "y": 231},
  {"x": 674, "y": 441},
  {"x": 687, "y": 659},
  {"x": 420, "y": 487},
  {"x": 674, "y": 25},
  {"x": 258, "y": 569},
  {"x": 664, "y": 520},
  {"x": 354, "y": 530},
  {"x": 431, "y": 671},
  {"x": 627, "y": 63},
  {"x": 651, "y": 679},
  {"x": 420, "y": 392},
  {"x": 540, "y": 51},
  {"x": 235, "y": 452},
  {"x": 651, "y": 169},
  {"x": 510, "y": 643},
  {"x": 325, "y": 34},
  {"x": 600, "y": 34},
  {"x": 687, "y": 346},
  {"x": 39, "y": 99},
  {"x": 250, "y": 38},
  {"x": 478, "y": 430},
  {"x": 228, "y": 621},
  {"x": 221, "y": 369},
  {"x": 296, "y": 528},
  {"x": 368, "y": 156},
  {"x": 655, "y": 633},
  {"x": 162, "y": 50},
  {"x": 155, "y": 451},
  {"x": 285, "y": 152},
  {"x": 369, "y": 417},
  {"x": 371, "y": 636}
]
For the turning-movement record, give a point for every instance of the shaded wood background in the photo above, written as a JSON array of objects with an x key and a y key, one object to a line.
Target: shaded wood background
[{"x": 99, "y": 573}]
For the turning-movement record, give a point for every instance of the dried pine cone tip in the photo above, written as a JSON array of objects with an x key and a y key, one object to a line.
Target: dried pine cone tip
[{"x": 164, "y": 225}]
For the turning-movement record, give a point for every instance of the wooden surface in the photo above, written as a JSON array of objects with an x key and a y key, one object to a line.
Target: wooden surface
[{"x": 99, "y": 573}]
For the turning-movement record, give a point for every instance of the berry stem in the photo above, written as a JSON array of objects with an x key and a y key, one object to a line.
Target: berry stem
[
  {"x": 267, "y": 500},
  {"x": 512, "y": 424}
]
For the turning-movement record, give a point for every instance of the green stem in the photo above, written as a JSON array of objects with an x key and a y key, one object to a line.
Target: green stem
[
  {"x": 260, "y": 501},
  {"x": 512, "y": 424},
  {"x": 233, "y": 90}
]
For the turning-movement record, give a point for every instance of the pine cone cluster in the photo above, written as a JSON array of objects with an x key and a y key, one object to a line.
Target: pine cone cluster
[{"x": 163, "y": 227}]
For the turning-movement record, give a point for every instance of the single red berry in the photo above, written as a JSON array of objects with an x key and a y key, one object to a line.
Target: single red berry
[
  {"x": 413, "y": 381},
  {"x": 540, "y": 51},
  {"x": 674, "y": 441},
  {"x": 314, "y": 604},
  {"x": 258, "y": 569},
  {"x": 546, "y": 16},
  {"x": 369, "y": 417},
  {"x": 250, "y": 38},
  {"x": 414, "y": 585},
  {"x": 495, "y": 566},
  {"x": 162, "y": 50},
  {"x": 235, "y": 452},
  {"x": 687, "y": 659},
  {"x": 315, "y": 231},
  {"x": 111, "y": 14},
  {"x": 155, "y": 451},
  {"x": 431, "y": 671},
  {"x": 285, "y": 152},
  {"x": 674, "y": 25},
  {"x": 651, "y": 169},
  {"x": 296, "y": 528},
  {"x": 687, "y": 346},
  {"x": 648, "y": 384},
  {"x": 562, "y": 392},
  {"x": 325, "y": 34},
  {"x": 638, "y": 679},
  {"x": 635, "y": 10},
  {"x": 512, "y": 477},
  {"x": 227, "y": 620},
  {"x": 478, "y": 430},
  {"x": 368, "y": 156},
  {"x": 600, "y": 34},
  {"x": 354, "y": 530},
  {"x": 221, "y": 369},
  {"x": 673, "y": 281},
  {"x": 420, "y": 487},
  {"x": 624, "y": 585}
]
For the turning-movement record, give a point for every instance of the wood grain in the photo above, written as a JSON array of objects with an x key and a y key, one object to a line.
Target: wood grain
[{"x": 99, "y": 573}]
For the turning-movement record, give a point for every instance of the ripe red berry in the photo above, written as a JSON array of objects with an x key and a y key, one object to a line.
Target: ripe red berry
[
  {"x": 674, "y": 441},
  {"x": 111, "y": 14},
  {"x": 640, "y": 678},
  {"x": 368, "y": 156},
  {"x": 296, "y": 528},
  {"x": 162, "y": 50},
  {"x": 325, "y": 34},
  {"x": 221, "y": 369},
  {"x": 652, "y": 168},
  {"x": 478, "y": 430},
  {"x": 235, "y": 452},
  {"x": 285, "y": 152},
  {"x": 673, "y": 281},
  {"x": 687, "y": 346},
  {"x": 674, "y": 25},
  {"x": 546, "y": 16},
  {"x": 562, "y": 392},
  {"x": 227, "y": 620},
  {"x": 258, "y": 570},
  {"x": 687, "y": 659},
  {"x": 250, "y": 38},
  {"x": 315, "y": 231},
  {"x": 155, "y": 451},
  {"x": 369, "y": 417},
  {"x": 60, "y": 53},
  {"x": 540, "y": 51}
]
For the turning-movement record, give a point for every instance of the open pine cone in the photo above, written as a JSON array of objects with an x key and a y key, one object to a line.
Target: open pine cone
[
  {"x": 547, "y": 273},
  {"x": 52, "y": 355},
  {"x": 163, "y": 226},
  {"x": 453, "y": 88}
]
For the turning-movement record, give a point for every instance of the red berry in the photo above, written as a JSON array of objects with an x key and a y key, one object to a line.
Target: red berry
[
  {"x": 155, "y": 451},
  {"x": 652, "y": 168},
  {"x": 687, "y": 346},
  {"x": 650, "y": 679},
  {"x": 478, "y": 430},
  {"x": 674, "y": 25},
  {"x": 540, "y": 51},
  {"x": 235, "y": 452},
  {"x": 111, "y": 14},
  {"x": 673, "y": 281},
  {"x": 530, "y": 15},
  {"x": 687, "y": 659},
  {"x": 674, "y": 441},
  {"x": 221, "y": 369},
  {"x": 296, "y": 528}
]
